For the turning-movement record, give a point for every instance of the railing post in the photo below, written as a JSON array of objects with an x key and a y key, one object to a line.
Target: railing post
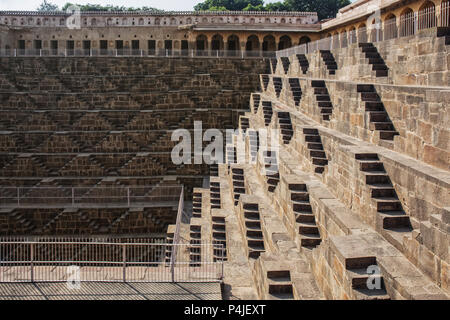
[
  {"x": 73, "y": 197},
  {"x": 18, "y": 197},
  {"x": 128, "y": 195},
  {"x": 32, "y": 262},
  {"x": 124, "y": 260}
]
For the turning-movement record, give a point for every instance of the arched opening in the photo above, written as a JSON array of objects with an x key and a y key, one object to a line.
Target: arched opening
[
  {"x": 375, "y": 31},
  {"x": 362, "y": 33},
  {"x": 304, "y": 40},
  {"x": 285, "y": 42},
  {"x": 269, "y": 44},
  {"x": 233, "y": 45},
  {"x": 427, "y": 16},
  {"x": 201, "y": 44},
  {"x": 252, "y": 46},
  {"x": 407, "y": 23},
  {"x": 217, "y": 42},
  {"x": 390, "y": 27},
  {"x": 344, "y": 41},
  {"x": 444, "y": 17},
  {"x": 352, "y": 35}
]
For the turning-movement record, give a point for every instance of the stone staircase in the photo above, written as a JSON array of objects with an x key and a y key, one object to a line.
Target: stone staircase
[
  {"x": 214, "y": 191},
  {"x": 267, "y": 111},
  {"x": 330, "y": 62},
  {"x": 265, "y": 81},
  {"x": 303, "y": 61},
  {"x": 251, "y": 226},
  {"x": 304, "y": 216},
  {"x": 296, "y": 90},
  {"x": 279, "y": 285},
  {"x": 277, "y": 85},
  {"x": 315, "y": 147},
  {"x": 273, "y": 65},
  {"x": 219, "y": 238},
  {"x": 269, "y": 163},
  {"x": 284, "y": 121},
  {"x": 391, "y": 216},
  {"x": 357, "y": 275},
  {"x": 256, "y": 101},
  {"x": 377, "y": 62},
  {"x": 378, "y": 117},
  {"x": 195, "y": 248},
  {"x": 323, "y": 99},
  {"x": 286, "y": 63},
  {"x": 197, "y": 204},
  {"x": 238, "y": 183}
]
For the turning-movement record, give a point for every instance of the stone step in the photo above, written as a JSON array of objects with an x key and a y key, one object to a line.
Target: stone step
[
  {"x": 388, "y": 135},
  {"x": 360, "y": 262},
  {"x": 394, "y": 219},
  {"x": 382, "y": 190},
  {"x": 308, "y": 228},
  {"x": 388, "y": 204},
  {"x": 381, "y": 73},
  {"x": 381, "y": 126},
  {"x": 310, "y": 240},
  {"x": 305, "y": 218},
  {"x": 377, "y": 67},
  {"x": 314, "y": 146},
  {"x": 310, "y": 131},
  {"x": 371, "y": 166},
  {"x": 301, "y": 187},
  {"x": 322, "y": 97},
  {"x": 374, "y": 106},
  {"x": 378, "y": 116},
  {"x": 365, "y": 88},
  {"x": 377, "y": 178},
  {"x": 317, "y": 154},
  {"x": 312, "y": 138},
  {"x": 369, "y": 96},
  {"x": 319, "y": 161},
  {"x": 359, "y": 277},
  {"x": 300, "y": 196},
  {"x": 324, "y": 104},
  {"x": 301, "y": 206}
]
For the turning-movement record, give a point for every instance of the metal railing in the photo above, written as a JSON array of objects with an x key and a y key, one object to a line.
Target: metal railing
[
  {"x": 79, "y": 261},
  {"x": 168, "y": 53},
  {"x": 23, "y": 197},
  {"x": 407, "y": 25},
  {"x": 176, "y": 238}
]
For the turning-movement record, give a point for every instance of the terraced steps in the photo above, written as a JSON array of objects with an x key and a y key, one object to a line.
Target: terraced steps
[
  {"x": 219, "y": 237},
  {"x": 361, "y": 273},
  {"x": 277, "y": 85},
  {"x": 286, "y": 63},
  {"x": 267, "y": 112},
  {"x": 378, "y": 117},
  {"x": 296, "y": 90},
  {"x": 280, "y": 285},
  {"x": 316, "y": 151},
  {"x": 330, "y": 62},
  {"x": 197, "y": 204},
  {"x": 303, "y": 61},
  {"x": 253, "y": 232},
  {"x": 377, "y": 62},
  {"x": 285, "y": 124},
  {"x": 323, "y": 99},
  {"x": 214, "y": 190},
  {"x": 304, "y": 217},
  {"x": 391, "y": 215}
]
